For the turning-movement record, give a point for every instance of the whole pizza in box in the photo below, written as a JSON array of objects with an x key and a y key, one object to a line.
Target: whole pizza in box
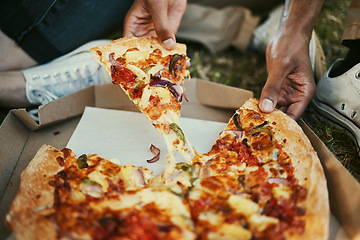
[{"x": 260, "y": 180}]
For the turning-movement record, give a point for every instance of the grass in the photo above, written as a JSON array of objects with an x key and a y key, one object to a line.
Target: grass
[{"x": 248, "y": 70}]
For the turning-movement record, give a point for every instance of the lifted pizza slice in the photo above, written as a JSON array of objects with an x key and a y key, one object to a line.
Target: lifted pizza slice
[{"x": 153, "y": 78}]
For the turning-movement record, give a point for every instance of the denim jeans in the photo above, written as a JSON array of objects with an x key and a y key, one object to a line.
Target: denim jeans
[{"x": 47, "y": 29}]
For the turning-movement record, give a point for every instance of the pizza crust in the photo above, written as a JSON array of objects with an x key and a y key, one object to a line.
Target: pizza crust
[
  {"x": 30, "y": 215},
  {"x": 308, "y": 170},
  {"x": 120, "y": 46}
]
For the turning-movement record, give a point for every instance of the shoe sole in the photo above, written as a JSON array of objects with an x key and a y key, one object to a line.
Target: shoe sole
[{"x": 339, "y": 119}]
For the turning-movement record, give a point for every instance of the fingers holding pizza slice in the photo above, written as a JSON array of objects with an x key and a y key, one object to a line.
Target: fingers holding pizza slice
[{"x": 153, "y": 78}]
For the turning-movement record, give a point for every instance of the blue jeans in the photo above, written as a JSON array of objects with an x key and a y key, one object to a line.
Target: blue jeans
[{"x": 47, "y": 29}]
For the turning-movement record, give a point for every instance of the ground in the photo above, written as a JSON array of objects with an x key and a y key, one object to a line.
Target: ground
[{"x": 248, "y": 70}]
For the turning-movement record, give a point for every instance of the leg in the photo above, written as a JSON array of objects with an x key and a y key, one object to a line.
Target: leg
[
  {"x": 48, "y": 29},
  {"x": 12, "y": 90},
  {"x": 13, "y": 57},
  {"x": 36, "y": 32}
]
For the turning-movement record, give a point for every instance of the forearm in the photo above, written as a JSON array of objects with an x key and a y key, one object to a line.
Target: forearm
[{"x": 299, "y": 16}]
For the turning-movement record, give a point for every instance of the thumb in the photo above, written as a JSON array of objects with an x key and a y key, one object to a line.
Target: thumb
[
  {"x": 270, "y": 94},
  {"x": 159, "y": 14}
]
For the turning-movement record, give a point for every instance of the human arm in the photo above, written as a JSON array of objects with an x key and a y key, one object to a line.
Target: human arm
[
  {"x": 159, "y": 18},
  {"x": 290, "y": 84}
]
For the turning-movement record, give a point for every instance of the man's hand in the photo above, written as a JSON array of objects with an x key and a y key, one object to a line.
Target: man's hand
[
  {"x": 159, "y": 18},
  {"x": 290, "y": 85}
]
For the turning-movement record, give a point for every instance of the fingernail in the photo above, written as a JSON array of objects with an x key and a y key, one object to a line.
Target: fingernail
[
  {"x": 169, "y": 43},
  {"x": 267, "y": 105}
]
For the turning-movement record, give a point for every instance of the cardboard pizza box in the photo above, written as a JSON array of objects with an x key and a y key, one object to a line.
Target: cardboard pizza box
[{"x": 21, "y": 137}]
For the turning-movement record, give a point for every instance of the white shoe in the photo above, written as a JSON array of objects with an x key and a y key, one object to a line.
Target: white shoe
[
  {"x": 64, "y": 75},
  {"x": 338, "y": 98}
]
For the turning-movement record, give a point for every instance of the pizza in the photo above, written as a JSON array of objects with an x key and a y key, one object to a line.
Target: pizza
[
  {"x": 261, "y": 179},
  {"x": 267, "y": 178},
  {"x": 62, "y": 196},
  {"x": 153, "y": 78}
]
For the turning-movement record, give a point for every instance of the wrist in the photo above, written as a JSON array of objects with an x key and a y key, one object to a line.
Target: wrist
[{"x": 299, "y": 17}]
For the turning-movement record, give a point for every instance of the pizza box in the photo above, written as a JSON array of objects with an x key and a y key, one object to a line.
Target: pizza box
[{"x": 210, "y": 104}]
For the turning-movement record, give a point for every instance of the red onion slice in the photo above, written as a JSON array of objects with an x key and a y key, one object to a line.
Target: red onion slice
[
  {"x": 156, "y": 152},
  {"x": 175, "y": 89},
  {"x": 141, "y": 176},
  {"x": 237, "y": 133},
  {"x": 278, "y": 180},
  {"x": 206, "y": 170},
  {"x": 113, "y": 61}
]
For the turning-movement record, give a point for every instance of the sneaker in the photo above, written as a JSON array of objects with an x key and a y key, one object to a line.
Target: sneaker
[
  {"x": 62, "y": 76},
  {"x": 265, "y": 31},
  {"x": 338, "y": 98}
]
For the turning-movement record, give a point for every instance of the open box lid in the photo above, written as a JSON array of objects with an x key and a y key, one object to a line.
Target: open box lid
[{"x": 21, "y": 137}]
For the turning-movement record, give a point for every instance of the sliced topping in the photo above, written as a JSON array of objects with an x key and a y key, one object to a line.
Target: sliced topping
[
  {"x": 185, "y": 167},
  {"x": 135, "y": 55},
  {"x": 156, "y": 152},
  {"x": 262, "y": 128},
  {"x": 173, "y": 61},
  {"x": 119, "y": 73},
  {"x": 278, "y": 180},
  {"x": 133, "y": 177},
  {"x": 178, "y": 131},
  {"x": 175, "y": 89},
  {"x": 148, "y": 68},
  {"x": 140, "y": 74},
  {"x": 82, "y": 161},
  {"x": 139, "y": 85},
  {"x": 91, "y": 188},
  {"x": 236, "y": 119},
  {"x": 89, "y": 181},
  {"x": 113, "y": 61},
  {"x": 154, "y": 69}
]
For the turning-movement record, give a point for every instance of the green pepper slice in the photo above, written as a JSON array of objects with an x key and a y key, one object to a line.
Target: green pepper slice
[
  {"x": 180, "y": 134},
  {"x": 82, "y": 161}
]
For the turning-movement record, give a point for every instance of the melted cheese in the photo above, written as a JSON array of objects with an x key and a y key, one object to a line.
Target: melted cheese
[
  {"x": 243, "y": 205},
  {"x": 134, "y": 56},
  {"x": 133, "y": 177},
  {"x": 260, "y": 222},
  {"x": 155, "y": 69},
  {"x": 281, "y": 192}
]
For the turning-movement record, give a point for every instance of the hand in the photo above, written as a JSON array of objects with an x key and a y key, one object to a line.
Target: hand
[
  {"x": 290, "y": 85},
  {"x": 159, "y": 18}
]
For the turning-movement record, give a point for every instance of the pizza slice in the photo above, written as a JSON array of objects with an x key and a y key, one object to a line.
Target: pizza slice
[
  {"x": 263, "y": 176},
  {"x": 89, "y": 197},
  {"x": 153, "y": 78}
]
